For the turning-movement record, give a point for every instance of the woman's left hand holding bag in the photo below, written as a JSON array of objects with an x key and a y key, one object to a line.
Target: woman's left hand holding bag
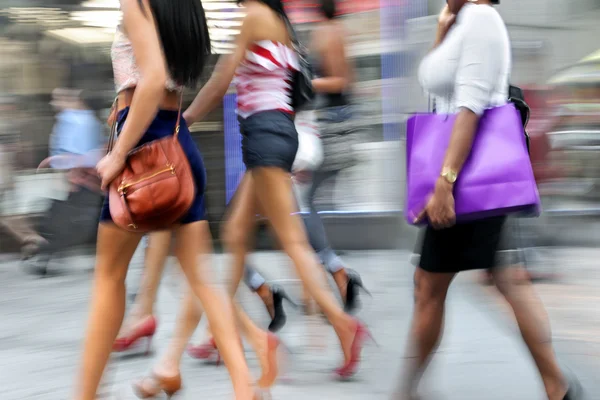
[
  {"x": 112, "y": 163},
  {"x": 109, "y": 167},
  {"x": 439, "y": 210}
]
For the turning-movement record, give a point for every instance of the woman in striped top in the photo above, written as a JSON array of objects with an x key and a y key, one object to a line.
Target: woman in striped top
[{"x": 262, "y": 66}]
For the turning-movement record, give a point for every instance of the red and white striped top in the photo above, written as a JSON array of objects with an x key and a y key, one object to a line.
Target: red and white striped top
[{"x": 264, "y": 78}]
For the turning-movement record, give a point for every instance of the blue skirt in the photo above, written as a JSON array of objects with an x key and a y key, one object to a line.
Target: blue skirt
[{"x": 164, "y": 125}]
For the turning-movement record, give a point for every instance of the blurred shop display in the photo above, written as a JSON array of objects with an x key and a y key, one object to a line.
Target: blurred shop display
[
  {"x": 541, "y": 121},
  {"x": 584, "y": 72},
  {"x": 575, "y": 130},
  {"x": 307, "y": 11},
  {"x": 66, "y": 43}
]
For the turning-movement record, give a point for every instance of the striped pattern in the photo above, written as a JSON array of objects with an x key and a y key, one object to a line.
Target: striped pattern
[{"x": 263, "y": 79}]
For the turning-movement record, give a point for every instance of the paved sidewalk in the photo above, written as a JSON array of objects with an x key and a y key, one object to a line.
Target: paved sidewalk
[{"x": 481, "y": 356}]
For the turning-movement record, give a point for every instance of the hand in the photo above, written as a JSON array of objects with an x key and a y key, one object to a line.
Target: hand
[
  {"x": 440, "y": 207},
  {"x": 446, "y": 18},
  {"x": 109, "y": 167},
  {"x": 302, "y": 176},
  {"x": 445, "y": 21}
]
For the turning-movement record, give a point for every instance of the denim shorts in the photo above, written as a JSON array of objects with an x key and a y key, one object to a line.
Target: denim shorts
[{"x": 269, "y": 139}]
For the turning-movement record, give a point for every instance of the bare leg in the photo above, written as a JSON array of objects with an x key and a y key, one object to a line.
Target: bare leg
[
  {"x": 218, "y": 306},
  {"x": 534, "y": 325},
  {"x": 265, "y": 294},
  {"x": 239, "y": 227},
  {"x": 340, "y": 278},
  {"x": 169, "y": 365},
  {"x": 189, "y": 317},
  {"x": 159, "y": 245},
  {"x": 273, "y": 301},
  {"x": 240, "y": 222},
  {"x": 238, "y": 232},
  {"x": 187, "y": 322},
  {"x": 426, "y": 329},
  {"x": 274, "y": 191},
  {"x": 114, "y": 251},
  {"x": 257, "y": 284},
  {"x": 259, "y": 340},
  {"x": 310, "y": 308}
]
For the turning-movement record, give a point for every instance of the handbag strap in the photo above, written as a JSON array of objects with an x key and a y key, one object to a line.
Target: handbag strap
[
  {"x": 298, "y": 47},
  {"x": 113, "y": 129},
  {"x": 431, "y": 105},
  {"x": 178, "y": 124},
  {"x": 113, "y": 126}
]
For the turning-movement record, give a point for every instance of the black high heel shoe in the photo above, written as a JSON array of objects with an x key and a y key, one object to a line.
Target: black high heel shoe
[
  {"x": 353, "y": 287},
  {"x": 279, "y": 317}
]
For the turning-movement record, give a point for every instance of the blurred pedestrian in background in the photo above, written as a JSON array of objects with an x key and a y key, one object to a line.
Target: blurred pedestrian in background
[
  {"x": 333, "y": 83},
  {"x": 76, "y": 144},
  {"x": 77, "y": 131},
  {"x": 19, "y": 227},
  {"x": 9, "y": 138}
]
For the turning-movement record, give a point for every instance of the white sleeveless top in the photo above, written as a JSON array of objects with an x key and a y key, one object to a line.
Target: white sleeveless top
[{"x": 125, "y": 69}]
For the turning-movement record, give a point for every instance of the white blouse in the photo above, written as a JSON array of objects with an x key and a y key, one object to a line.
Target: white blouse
[{"x": 471, "y": 67}]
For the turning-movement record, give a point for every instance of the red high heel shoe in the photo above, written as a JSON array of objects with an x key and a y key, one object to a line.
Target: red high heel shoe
[
  {"x": 205, "y": 351},
  {"x": 144, "y": 330},
  {"x": 351, "y": 366}
]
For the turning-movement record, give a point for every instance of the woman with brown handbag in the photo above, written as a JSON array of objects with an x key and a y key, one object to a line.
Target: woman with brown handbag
[{"x": 160, "y": 47}]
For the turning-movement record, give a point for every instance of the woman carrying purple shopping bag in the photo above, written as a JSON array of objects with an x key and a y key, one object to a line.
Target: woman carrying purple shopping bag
[{"x": 468, "y": 72}]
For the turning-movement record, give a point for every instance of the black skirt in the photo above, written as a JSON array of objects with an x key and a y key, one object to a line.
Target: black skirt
[{"x": 462, "y": 247}]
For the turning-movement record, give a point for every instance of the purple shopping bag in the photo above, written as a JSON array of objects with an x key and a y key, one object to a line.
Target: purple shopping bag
[{"x": 497, "y": 178}]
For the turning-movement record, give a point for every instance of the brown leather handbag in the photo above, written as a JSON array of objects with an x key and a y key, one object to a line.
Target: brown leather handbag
[{"x": 156, "y": 188}]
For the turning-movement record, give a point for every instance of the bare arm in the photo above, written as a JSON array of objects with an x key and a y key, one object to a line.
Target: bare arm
[
  {"x": 216, "y": 87},
  {"x": 143, "y": 34},
  {"x": 461, "y": 141},
  {"x": 335, "y": 63}
]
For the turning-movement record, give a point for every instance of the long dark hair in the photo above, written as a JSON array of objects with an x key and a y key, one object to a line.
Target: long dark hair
[
  {"x": 275, "y": 5},
  {"x": 184, "y": 36},
  {"x": 328, "y": 9}
]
